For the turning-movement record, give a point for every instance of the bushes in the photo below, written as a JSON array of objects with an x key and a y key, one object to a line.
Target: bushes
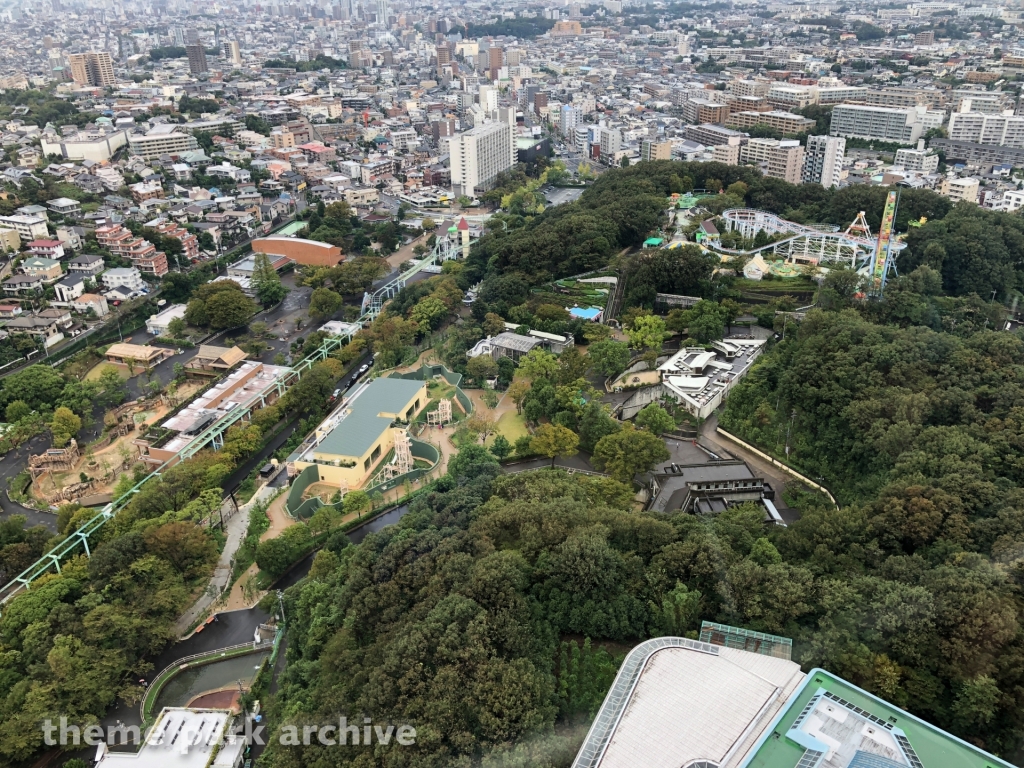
[{"x": 275, "y": 556}]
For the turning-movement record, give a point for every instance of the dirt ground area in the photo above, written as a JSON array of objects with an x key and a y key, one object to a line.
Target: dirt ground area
[
  {"x": 97, "y": 370},
  {"x": 324, "y": 490},
  {"x": 229, "y": 698},
  {"x": 104, "y": 464}
]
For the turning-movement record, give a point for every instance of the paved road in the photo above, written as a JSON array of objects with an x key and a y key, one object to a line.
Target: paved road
[{"x": 773, "y": 474}]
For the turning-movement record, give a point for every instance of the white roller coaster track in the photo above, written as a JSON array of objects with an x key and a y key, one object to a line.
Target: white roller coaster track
[{"x": 805, "y": 245}]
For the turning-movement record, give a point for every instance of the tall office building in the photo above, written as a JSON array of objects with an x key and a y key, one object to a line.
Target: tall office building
[
  {"x": 823, "y": 160},
  {"x": 495, "y": 60},
  {"x": 479, "y": 155},
  {"x": 196, "y": 59},
  {"x": 656, "y": 150},
  {"x": 383, "y": 11},
  {"x": 232, "y": 53},
  {"x": 178, "y": 37},
  {"x": 444, "y": 58},
  {"x": 93, "y": 68}
]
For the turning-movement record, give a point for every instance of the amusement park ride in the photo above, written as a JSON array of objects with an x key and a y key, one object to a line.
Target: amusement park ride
[{"x": 874, "y": 258}]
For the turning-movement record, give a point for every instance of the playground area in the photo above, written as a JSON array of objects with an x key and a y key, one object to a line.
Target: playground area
[{"x": 62, "y": 475}]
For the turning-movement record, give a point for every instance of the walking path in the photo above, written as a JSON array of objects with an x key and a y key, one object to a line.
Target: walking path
[
  {"x": 279, "y": 521},
  {"x": 234, "y": 530}
]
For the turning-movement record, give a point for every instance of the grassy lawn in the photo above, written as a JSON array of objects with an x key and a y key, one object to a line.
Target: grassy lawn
[
  {"x": 512, "y": 425},
  {"x": 97, "y": 371}
]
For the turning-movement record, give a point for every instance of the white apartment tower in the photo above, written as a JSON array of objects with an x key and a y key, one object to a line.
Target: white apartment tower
[
  {"x": 1004, "y": 130},
  {"x": 568, "y": 119},
  {"x": 823, "y": 160},
  {"x": 232, "y": 53},
  {"x": 479, "y": 155}
]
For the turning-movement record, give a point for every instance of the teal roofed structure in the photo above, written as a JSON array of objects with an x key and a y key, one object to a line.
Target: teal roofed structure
[
  {"x": 734, "y": 699},
  {"x": 376, "y": 408}
]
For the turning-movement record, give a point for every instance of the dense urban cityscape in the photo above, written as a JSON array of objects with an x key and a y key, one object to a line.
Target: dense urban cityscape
[{"x": 404, "y": 384}]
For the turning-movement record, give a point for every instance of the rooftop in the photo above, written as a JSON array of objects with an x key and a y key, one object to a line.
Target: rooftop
[
  {"x": 363, "y": 423},
  {"x": 845, "y": 721},
  {"x": 183, "y": 738}
]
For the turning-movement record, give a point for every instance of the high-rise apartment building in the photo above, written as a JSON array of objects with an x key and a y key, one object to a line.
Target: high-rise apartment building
[
  {"x": 786, "y": 161},
  {"x": 383, "y": 11},
  {"x": 196, "y": 59},
  {"x": 568, "y": 119},
  {"x": 980, "y": 128},
  {"x": 611, "y": 142},
  {"x": 232, "y": 53},
  {"x": 823, "y": 160},
  {"x": 905, "y": 126},
  {"x": 655, "y": 150},
  {"x": 93, "y": 68},
  {"x": 479, "y": 155}
]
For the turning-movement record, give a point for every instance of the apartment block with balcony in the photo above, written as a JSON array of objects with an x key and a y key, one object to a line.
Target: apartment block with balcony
[
  {"x": 784, "y": 122},
  {"x": 142, "y": 253},
  {"x": 786, "y": 161},
  {"x": 902, "y": 126},
  {"x": 161, "y": 140},
  {"x": 979, "y": 128}
]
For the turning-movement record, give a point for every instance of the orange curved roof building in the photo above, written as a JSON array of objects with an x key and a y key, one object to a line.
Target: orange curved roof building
[{"x": 298, "y": 250}]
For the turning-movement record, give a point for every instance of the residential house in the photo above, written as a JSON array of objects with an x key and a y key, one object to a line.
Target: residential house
[
  {"x": 90, "y": 302},
  {"x": 88, "y": 264},
  {"x": 71, "y": 287},
  {"x": 129, "y": 278},
  {"x": 47, "y": 249},
  {"x": 23, "y": 284},
  {"x": 65, "y": 206},
  {"x": 48, "y": 269}
]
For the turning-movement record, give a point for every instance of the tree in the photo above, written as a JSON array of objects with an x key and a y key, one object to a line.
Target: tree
[
  {"x": 39, "y": 386},
  {"x": 553, "y": 440},
  {"x": 517, "y": 391},
  {"x": 646, "y": 332},
  {"x": 356, "y": 503},
  {"x": 176, "y": 328},
  {"x": 537, "y": 364},
  {"x": 609, "y": 357},
  {"x": 624, "y": 162},
  {"x": 16, "y": 411},
  {"x": 266, "y": 283},
  {"x": 229, "y": 309},
  {"x": 629, "y": 452},
  {"x": 493, "y": 324},
  {"x": 655, "y": 419},
  {"x": 113, "y": 389},
  {"x": 501, "y": 447},
  {"x": 428, "y": 313},
  {"x": 64, "y": 426},
  {"x": 596, "y": 332},
  {"x": 323, "y": 303},
  {"x": 481, "y": 368},
  {"x": 594, "y": 424}
]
